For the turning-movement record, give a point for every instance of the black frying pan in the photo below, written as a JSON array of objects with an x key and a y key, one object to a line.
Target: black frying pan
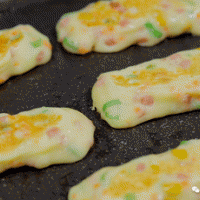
[{"x": 66, "y": 81}]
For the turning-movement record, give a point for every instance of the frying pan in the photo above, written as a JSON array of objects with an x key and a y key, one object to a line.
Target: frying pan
[{"x": 66, "y": 81}]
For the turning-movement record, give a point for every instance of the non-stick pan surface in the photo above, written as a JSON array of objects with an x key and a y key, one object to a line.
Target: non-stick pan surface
[{"x": 66, "y": 81}]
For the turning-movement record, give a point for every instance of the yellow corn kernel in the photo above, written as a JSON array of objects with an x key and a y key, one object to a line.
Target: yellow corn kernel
[
  {"x": 172, "y": 189},
  {"x": 95, "y": 23},
  {"x": 86, "y": 16},
  {"x": 142, "y": 4},
  {"x": 180, "y": 153},
  {"x": 99, "y": 5},
  {"x": 160, "y": 18},
  {"x": 148, "y": 182},
  {"x": 4, "y": 42},
  {"x": 155, "y": 168}
]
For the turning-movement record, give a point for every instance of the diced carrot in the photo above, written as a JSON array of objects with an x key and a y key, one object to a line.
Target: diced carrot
[
  {"x": 184, "y": 184},
  {"x": 195, "y": 82},
  {"x": 1, "y": 81},
  {"x": 122, "y": 38},
  {"x": 180, "y": 153},
  {"x": 74, "y": 196},
  {"x": 110, "y": 42},
  {"x": 83, "y": 50},
  {"x": 47, "y": 44},
  {"x": 16, "y": 64},
  {"x": 97, "y": 185},
  {"x": 137, "y": 109},
  {"x": 15, "y": 32}
]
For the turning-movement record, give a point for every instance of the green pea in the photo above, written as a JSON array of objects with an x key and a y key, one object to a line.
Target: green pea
[
  {"x": 44, "y": 111},
  {"x": 129, "y": 196},
  {"x": 192, "y": 3},
  {"x": 183, "y": 142},
  {"x": 189, "y": 55},
  {"x": 37, "y": 43},
  {"x": 110, "y": 21},
  {"x": 150, "y": 67},
  {"x": 132, "y": 76},
  {"x": 67, "y": 14},
  {"x": 153, "y": 30},
  {"x": 69, "y": 43},
  {"x": 58, "y": 34},
  {"x": 74, "y": 151},
  {"x": 110, "y": 104},
  {"x": 6, "y": 128},
  {"x": 103, "y": 176}
]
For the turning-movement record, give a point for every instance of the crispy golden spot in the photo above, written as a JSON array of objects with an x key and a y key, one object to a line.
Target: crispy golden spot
[
  {"x": 74, "y": 196},
  {"x": 2, "y": 80},
  {"x": 83, "y": 50},
  {"x": 187, "y": 28},
  {"x": 101, "y": 14},
  {"x": 158, "y": 75},
  {"x": 135, "y": 182},
  {"x": 15, "y": 40},
  {"x": 4, "y": 43},
  {"x": 47, "y": 44},
  {"x": 8, "y": 39},
  {"x": 129, "y": 180},
  {"x": 123, "y": 81},
  {"x": 21, "y": 127},
  {"x": 154, "y": 77}
]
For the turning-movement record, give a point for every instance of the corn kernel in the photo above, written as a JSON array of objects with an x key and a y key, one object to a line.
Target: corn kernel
[
  {"x": 180, "y": 153},
  {"x": 160, "y": 18},
  {"x": 173, "y": 189},
  {"x": 86, "y": 16},
  {"x": 155, "y": 168}
]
